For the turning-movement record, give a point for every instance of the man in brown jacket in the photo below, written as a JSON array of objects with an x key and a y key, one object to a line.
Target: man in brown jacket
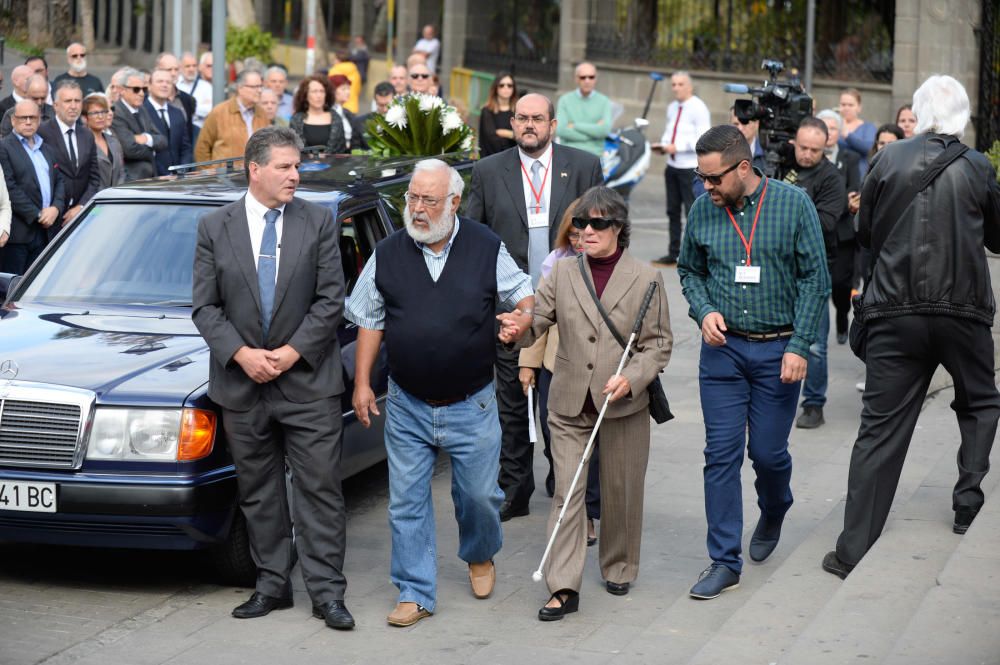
[{"x": 230, "y": 124}]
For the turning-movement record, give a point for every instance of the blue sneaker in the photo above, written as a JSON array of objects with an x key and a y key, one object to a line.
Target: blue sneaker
[{"x": 713, "y": 581}]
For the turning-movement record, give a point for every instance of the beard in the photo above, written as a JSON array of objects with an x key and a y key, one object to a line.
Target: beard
[
  {"x": 78, "y": 66},
  {"x": 438, "y": 229}
]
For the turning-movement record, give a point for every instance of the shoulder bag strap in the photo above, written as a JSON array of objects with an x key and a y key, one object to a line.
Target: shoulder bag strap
[{"x": 597, "y": 301}]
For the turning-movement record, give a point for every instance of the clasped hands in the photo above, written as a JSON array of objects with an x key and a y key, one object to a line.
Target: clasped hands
[
  {"x": 513, "y": 325},
  {"x": 264, "y": 365}
]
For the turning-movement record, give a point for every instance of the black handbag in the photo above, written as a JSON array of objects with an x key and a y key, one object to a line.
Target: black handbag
[
  {"x": 858, "y": 333},
  {"x": 659, "y": 406}
]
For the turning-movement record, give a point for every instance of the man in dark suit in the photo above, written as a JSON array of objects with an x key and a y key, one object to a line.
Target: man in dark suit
[
  {"x": 38, "y": 92},
  {"x": 34, "y": 185},
  {"x": 522, "y": 194},
  {"x": 134, "y": 128},
  {"x": 169, "y": 121},
  {"x": 74, "y": 147},
  {"x": 179, "y": 99},
  {"x": 19, "y": 83},
  {"x": 276, "y": 372}
]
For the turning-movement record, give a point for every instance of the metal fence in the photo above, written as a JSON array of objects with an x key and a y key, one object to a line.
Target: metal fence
[
  {"x": 520, "y": 36},
  {"x": 988, "y": 119},
  {"x": 853, "y": 37}
]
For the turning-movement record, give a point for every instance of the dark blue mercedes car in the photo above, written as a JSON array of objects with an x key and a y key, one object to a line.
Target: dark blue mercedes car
[{"x": 107, "y": 435}]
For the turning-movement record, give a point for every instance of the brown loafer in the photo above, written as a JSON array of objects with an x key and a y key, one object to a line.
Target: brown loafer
[
  {"x": 482, "y": 577},
  {"x": 407, "y": 614}
]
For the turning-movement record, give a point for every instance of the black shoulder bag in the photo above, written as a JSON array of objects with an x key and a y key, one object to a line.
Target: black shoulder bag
[
  {"x": 659, "y": 407},
  {"x": 858, "y": 333}
]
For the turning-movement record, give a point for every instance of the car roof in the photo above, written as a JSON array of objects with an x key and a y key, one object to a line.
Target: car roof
[{"x": 320, "y": 175}]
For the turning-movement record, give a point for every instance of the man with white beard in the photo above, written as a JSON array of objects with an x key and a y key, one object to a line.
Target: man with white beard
[
  {"x": 432, "y": 300},
  {"x": 76, "y": 59}
]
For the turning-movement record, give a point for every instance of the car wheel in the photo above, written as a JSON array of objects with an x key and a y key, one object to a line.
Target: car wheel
[{"x": 232, "y": 559}]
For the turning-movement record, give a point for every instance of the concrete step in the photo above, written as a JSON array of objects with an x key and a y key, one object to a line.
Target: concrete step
[{"x": 865, "y": 618}]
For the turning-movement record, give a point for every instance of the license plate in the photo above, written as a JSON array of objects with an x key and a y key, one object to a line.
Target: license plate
[{"x": 31, "y": 497}]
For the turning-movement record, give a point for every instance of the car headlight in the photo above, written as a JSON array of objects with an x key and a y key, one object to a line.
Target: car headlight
[{"x": 151, "y": 434}]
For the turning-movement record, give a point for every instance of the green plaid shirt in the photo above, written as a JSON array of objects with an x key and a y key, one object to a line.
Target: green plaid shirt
[{"x": 788, "y": 247}]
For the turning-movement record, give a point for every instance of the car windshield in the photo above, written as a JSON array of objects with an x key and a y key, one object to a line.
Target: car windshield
[{"x": 123, "y": 253}]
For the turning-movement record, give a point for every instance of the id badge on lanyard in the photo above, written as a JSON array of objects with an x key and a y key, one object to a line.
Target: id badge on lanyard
[{"x": 747, "y": 273}]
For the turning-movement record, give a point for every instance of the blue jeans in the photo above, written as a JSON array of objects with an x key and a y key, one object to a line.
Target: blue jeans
[
  {"x": 741, "y": 390},
  {"x": 814, "y": 387},
  {"x": 414, "y": 433}
]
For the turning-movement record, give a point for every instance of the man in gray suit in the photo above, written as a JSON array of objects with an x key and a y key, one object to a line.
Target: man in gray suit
[
  {"x": 133, "y": 127},
  {"x": 522, "y": 194},
  {"x": 268, "y": 297}
]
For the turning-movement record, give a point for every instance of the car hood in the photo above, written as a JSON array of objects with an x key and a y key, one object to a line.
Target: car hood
[{"x": 139, "y": 356}]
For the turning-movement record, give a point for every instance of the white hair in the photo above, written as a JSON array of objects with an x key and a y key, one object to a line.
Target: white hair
[
  {"x": 275, "y": 69},
  {"x": 123, "y": 75},
  {"x": 72, "y": 44},
  {"x": 455, "y": 183},
  {"x": 941, "y": 106},
  {"x": 204, "y": 57},
  {"x": 830, "y": 114}
]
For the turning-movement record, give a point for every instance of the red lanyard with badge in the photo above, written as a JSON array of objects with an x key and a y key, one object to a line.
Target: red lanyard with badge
[
  {"x": 537, "y": 218},
  {"x": 748, "y": 274}
]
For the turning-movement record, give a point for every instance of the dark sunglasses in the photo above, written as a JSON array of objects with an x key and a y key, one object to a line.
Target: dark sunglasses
[
  {"x": 596, "y": 223},
  {"x": 137, "y": 89},
  {"x": 716, "y": 178},
  {"x": 505, "y": 85},
  {"x": 420, "y": 76},
  {"x": 587, "y": 78}
]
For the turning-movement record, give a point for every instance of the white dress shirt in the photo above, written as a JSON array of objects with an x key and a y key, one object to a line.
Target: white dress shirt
[
  {"x": 165, "y": 107},
  {"x": 255, "y": 222},
  {"x": 201, "y": 90},
  {"x": 695, "y": 121},
  {"x": 149, "y": 137},
  {"x": 63, "y": 128},
  {"x": 526, "y": 161}
]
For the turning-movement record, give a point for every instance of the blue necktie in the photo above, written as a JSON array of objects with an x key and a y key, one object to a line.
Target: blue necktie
[{"x": 267, "y": 268}]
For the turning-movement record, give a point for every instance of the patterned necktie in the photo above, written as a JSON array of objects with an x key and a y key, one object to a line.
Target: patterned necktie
[{"x": 267, "y": 268}]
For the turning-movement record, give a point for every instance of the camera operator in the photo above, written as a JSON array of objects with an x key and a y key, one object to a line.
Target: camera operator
[{"x": 825, "y": 187}]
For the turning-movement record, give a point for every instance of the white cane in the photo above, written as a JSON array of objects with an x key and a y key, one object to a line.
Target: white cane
[{"x": 537, "y": 575}]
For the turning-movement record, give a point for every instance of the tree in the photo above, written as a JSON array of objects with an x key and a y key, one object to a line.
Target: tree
[
  {"x": 87, "y": 23},
  {"x": 38, "y": 23},
  {"x": 241, "y": 13}
]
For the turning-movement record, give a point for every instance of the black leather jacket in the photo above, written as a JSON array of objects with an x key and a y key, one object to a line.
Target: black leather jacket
[{"x": 932, "y": 261}]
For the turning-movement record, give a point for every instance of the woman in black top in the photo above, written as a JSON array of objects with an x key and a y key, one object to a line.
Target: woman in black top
[
  {"x": 495, "y": 133},
  {"x": 313, "y": 119}
]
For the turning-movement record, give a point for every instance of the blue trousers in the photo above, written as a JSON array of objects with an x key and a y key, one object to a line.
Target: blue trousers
[
  {"x": 814, "y": 387},
  {"x": 746, "y": 407},
  {"x": 414, "y": 434}
]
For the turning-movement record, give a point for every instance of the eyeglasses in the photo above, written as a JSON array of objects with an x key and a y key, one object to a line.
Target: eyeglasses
[
  {"x": 716, "y": 178},
  {"x": 78, "y": 56},
  {"x": 94, "y": 114},
  {"x": 596, "y": 223},
  {"x": 505, "y": 85},
  {"x": 574, "y": 237},
  {"x": 25, "y": 118},
  {"x": 533, "y": 119},
  {"x": 428, "y": 201},
  {"x": 415, "y": 75},
  {"x": 137, "y": 88},
  {"x": 587, "y": 77}
]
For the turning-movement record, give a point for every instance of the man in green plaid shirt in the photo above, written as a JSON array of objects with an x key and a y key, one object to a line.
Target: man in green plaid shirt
[{"x": 753, "y": 270}]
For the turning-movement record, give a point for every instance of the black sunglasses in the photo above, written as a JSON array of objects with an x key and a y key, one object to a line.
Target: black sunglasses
[
  {"x": 420, "y": 76},
  {"x": 716, "y": 178},
  {"x": 586, "y": 77},
  {"x": 596, "y": 223},
  {"x": 137, "y": 89}
]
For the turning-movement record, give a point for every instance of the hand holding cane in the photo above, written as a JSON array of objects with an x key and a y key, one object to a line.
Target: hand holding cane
[{"x": 537, "y": 575}]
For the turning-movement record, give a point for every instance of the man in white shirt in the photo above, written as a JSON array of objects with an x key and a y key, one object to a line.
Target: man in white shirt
[
  {"x": 430, "y": 46},
  {"x": 192, "y": 82},
  {"x": 687, "y": 119}
]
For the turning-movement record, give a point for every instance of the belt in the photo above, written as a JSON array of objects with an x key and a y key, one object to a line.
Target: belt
[
  {"x": 762, "y": 337},
  {"x": 443, "y": 402}
]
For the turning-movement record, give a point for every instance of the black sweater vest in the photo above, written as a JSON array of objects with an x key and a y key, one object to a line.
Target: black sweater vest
[{"x": 439, "y": 336}]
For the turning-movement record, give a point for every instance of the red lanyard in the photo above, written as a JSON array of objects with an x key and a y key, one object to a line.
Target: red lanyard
[
  {"x": 538, "y": 194},
  {"x": 747, "y": 244}
]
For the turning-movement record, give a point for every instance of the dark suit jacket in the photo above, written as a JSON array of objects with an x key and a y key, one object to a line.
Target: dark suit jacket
[
  {"x": 190, "y": 104},
  {"x": 179, "y": 150},
  {"x": 22, "y": 187},
  {"x": 848, "y": 165},
  {"x": 83, "y": 179},
  {"x": 496, "y": 195},
  {"x": 6, "y": 103},
  {"x": 308, "y": 303},
  {"x": 139, "y": 158}
]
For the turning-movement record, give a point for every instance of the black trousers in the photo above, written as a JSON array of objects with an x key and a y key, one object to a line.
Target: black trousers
[
  {"x": 903, "y": 353},
  {"x": 517, "y": 478},
  {"x": 842, "y": 276},
  {"x": 679, "y": 191},
  {"x": 308, "y": 437}
]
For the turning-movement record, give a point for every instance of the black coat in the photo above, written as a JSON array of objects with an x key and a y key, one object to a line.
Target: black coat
[
  {"x": 22, "y": 187},
  {"x": 932, "y": 260},
  {"x": 848, "y": 167},
  {"x": 139, "y": 157},
  {"x": 825, "y": 188},
  {"x": 83, "y": 179}
]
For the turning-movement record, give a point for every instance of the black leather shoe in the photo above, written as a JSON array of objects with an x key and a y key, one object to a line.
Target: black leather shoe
[
  {"x": 841, "y": 338},
  {"x": 765, "y": 538},
  {"x": 963, "y": 519},
  {"x": 335, "y": 614},
  {"x": 616, "y": 589},
  {"x": 507, "y": 511},
  {"x": 550, "y": 483},
  {"x": 811, "y": 418},
  {"x": 570, "y": 604},
  {"x": 260, "y": 605},
  {"x": 833, "y": 564}
]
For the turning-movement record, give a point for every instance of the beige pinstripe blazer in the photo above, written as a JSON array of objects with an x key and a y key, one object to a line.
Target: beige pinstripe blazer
[{"x": 588, "y": 355}]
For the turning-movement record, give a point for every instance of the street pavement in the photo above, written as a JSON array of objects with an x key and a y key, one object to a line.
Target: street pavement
[{"x": 923, "y": 595}]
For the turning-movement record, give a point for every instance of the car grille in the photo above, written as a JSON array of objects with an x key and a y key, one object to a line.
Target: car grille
[{"x": 41, "y": 427}]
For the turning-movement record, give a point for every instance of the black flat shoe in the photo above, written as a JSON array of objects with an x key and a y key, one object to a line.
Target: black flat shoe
[
  {"x": 568, "y": 606},
  {"x": 616, "y": 589},
  {"x": 335, "y": 614},
  {"x": 261, "y": 605},
  {"x": 508, "y": 511},
  {"x": 591, "y": 540}
]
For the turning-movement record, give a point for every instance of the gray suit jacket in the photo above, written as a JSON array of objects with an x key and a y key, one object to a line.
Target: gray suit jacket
[
  {"x": 588, "y": 354},
  {"x": 308, "y": 303},
  {"x": 139, "y": 157},
  {"x": 496, "y": 194}
]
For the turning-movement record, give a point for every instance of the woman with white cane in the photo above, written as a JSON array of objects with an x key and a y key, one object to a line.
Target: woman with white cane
[{"x": 588, "y": 355}]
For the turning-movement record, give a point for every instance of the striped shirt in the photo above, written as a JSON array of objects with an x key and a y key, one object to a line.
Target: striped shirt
[
  {"x": 788, "y": 248},
  {"x": 366, "y": 306}
]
